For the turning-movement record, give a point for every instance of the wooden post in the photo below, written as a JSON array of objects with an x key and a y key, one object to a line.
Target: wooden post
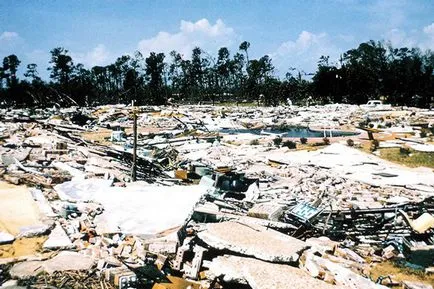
[{"x": 134, "y": 167}]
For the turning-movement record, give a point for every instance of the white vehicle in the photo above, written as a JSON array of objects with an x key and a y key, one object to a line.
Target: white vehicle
[{"x": 376, "y": 105}]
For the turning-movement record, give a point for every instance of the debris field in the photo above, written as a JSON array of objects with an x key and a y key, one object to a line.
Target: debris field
[{"x": 216, "y": 197}]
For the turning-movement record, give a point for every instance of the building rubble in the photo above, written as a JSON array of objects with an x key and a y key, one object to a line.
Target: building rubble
[{"x": 221, "y": 199}]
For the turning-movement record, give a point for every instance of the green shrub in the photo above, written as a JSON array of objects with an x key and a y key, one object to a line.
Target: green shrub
[
  {"x": 254, "y": 142},
  {"x": 277, "y": 141},
  {"x": 350, "y": 142},
  {"x": 363, "y": 123},
  {"x": 303, "y": 140},
  {"x": 326, "y": 141},
  {"x": 289, "y": 144},
  {"x": 423, "y": 133},
  {"x": 371, "y": 125},
  {"x": 404, "y": 151}
]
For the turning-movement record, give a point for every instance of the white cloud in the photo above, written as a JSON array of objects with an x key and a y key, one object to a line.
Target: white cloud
[
  {"x": 422, "y": 38},
  {"x": 429, "y": 29},
  {"x": 99, "y": 55},
  {"x": 429, "y": 36},
  {"x": 304, "y": 52},
  {"x": 10, "y": 43},
  {"x": 8, "y": 36},
  {"x": 191, "y": 34},
  {"x": 400, "y": 38}
]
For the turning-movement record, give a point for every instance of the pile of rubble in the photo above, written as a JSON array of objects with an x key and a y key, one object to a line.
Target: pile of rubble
[{"x": 209, "y": 208}]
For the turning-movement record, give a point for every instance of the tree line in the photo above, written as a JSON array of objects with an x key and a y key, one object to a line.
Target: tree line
[{"x": 400, "y": 76}]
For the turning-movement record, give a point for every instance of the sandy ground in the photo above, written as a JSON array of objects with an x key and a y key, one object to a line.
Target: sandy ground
[{"x": 22, "y": 247}]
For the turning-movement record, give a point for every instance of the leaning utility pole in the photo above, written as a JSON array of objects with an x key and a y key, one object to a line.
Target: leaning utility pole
[{"x": 134, "y": 167}]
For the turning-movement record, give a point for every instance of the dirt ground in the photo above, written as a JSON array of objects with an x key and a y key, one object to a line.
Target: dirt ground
[
  {"x": 22, "y": 247},
  {"x": 400, "y": 273}
]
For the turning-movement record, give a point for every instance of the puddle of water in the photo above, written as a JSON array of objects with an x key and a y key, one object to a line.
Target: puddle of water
[{"x": 292, "y": 132}]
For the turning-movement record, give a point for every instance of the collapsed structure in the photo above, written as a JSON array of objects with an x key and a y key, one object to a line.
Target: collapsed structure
[{"x": 222, "y": 198}]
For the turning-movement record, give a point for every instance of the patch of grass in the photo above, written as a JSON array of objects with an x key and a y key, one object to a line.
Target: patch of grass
[
  {"x": 410, "y": 159},
  {"x": 400, "y": 273}
]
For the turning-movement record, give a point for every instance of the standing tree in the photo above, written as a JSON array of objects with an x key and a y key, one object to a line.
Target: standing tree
[
  {"x": 32, "y": 73},
  {"x": 244, "y": 46},
  {"x": 223, "y": 71},
  {"x": 154, "y": 74},
  {"x": 197, "y": 72},
  {"x": 62, "y": 66},
  {"x": 10, "y": 67}
]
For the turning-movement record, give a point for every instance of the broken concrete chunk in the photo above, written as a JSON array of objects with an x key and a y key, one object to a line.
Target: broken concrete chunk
[
  {"x": 253, "y": 240},
  {"x": 269, "y": 211},
  {"x": 58, "y": 240},
  {"x": 11, "y": 284},
  {"x": 81, "y": 190},
  {"x": 26, "y": 269},
  {"x": 68, "y": 260},
  {"x": 163, "y": 247},
  {"x": 342, "y": 275},
  {"x": 65, "y": 260},
  {"x": 389, "y": 252},
  {"x": 6, "y": 238},
  {"x": 32, "y": 231},
  {"x": 322, "y": 244},
  {"x": 263, "y": 275}
]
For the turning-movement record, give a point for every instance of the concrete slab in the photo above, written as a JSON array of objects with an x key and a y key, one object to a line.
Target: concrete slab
[
  {"x": 19, "y": 213},
  {"x": 58, "y": 240},
  {"x": 356, "y": 165},
  {"x": 253, "y": 240},
  {"x": 269, "y": 211},
  {"x": 26, "y": 269},
  {"x": 136, "y": 209},
  {"x": 263, "y": 275},
  {"x": 68, "y": 260},
  {"x": 6, "y": 238},
  {"x": 344, "y": 276},
  {"x": 64, "y": 261}
]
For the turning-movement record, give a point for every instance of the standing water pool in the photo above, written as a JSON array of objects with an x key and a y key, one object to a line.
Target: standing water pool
[{"x": 291, "y": 132}]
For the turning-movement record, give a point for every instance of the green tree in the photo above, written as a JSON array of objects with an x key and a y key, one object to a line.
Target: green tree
[
  {"x": 154, "y": 75},
  {"x": 364, "y": 69},
  {"x": 223, "y": 71},
  {"x": 32, "y": 73},
  {"x": 62, "y": 66},
  {"x": 10, "y": 67},
  {"x": 327, "y": 82},
  {"x": 244, "y": 46}
]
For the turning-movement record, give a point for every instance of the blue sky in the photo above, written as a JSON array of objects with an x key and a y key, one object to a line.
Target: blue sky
[{"x": 293, "y": 33}]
